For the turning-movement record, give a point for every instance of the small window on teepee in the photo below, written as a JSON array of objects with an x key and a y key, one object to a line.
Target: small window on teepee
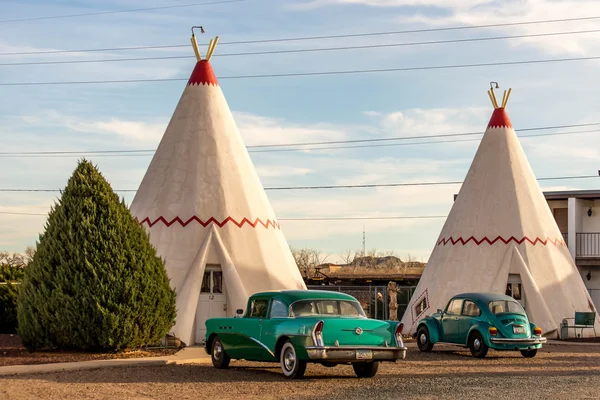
[{"x": 421, "y": 306}]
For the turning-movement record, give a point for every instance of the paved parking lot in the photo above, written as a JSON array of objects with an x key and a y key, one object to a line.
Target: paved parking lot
[{"x": 557, "y": 372}]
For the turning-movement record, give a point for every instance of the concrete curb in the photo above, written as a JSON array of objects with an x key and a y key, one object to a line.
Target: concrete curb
[
  {"x": 76, "y": 366},
  {"x": 96, "y": 364}
]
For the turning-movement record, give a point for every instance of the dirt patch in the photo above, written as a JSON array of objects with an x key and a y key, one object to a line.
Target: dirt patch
[{"x": 12, "y": 352}]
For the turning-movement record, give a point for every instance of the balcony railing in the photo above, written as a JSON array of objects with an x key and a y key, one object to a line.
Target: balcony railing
[{"x": 588, "y": 244}]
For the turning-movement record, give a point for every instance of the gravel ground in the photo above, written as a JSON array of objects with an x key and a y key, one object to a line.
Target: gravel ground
[{"x": 557, "y": 372}]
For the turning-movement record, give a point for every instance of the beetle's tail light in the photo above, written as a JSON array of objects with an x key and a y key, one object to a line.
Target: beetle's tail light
[
  {"x": 318, "y": 334},
  {"x": 398, "y": 335},
  {"x": 493, "y": 331},
  {"x": 537, "y": 331}
]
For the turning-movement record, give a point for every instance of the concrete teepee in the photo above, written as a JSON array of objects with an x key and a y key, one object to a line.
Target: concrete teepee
[
  {"x": 207, "y": 213},
  {"x": 500, "y": 236}
]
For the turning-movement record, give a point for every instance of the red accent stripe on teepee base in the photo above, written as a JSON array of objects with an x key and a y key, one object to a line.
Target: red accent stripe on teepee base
[
  {"x": 212, "y": 220},
  {"x": 500, "y": 119},
  {"x": 485, "y": 239},
  {"x": 203, "y": 74}
]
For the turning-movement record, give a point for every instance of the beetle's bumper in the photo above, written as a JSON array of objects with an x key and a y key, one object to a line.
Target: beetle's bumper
[
  {"x": 517, "y": 344},
  {"x": 355, "y": 353},
  {"x": 533, "y": 340}
]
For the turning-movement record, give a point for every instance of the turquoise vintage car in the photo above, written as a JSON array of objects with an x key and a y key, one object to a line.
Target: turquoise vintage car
[
  {"x": 295, "y": 327},
  {"x": 481, "y": 321}
]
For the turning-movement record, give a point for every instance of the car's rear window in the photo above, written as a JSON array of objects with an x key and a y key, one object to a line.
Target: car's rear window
[
  {"x": 505, "y": 306},
  {"x": 303, "y": 308}
]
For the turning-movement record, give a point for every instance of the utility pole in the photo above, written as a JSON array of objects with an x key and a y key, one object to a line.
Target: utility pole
[{"x": 364, "y": 242}]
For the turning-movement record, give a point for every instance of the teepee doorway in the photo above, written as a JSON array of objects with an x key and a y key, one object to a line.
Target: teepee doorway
[
  {"x": 212, "y": 302},
  {"x": 514, "y": 288}
]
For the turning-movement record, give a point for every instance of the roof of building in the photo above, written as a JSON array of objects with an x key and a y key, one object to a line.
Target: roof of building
[{"x": 565, "y": 194}]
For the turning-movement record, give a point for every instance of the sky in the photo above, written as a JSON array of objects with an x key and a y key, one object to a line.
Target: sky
[{"x": 297, "y": 109}]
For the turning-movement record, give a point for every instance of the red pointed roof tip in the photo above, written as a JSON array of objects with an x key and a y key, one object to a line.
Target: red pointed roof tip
[
  {"x": 500, "y": 119},
  {"x": 203, "y": 74}
]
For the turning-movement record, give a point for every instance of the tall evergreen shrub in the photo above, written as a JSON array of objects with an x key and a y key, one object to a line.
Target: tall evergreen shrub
[
  {"x": 10, "y": 276},
  {"x": 95, "y": 281}
]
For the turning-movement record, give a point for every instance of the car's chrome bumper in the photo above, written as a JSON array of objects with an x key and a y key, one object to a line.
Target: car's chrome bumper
[
  {"x": 533, "y": 340},
  {"x": 350, "y": 353}
]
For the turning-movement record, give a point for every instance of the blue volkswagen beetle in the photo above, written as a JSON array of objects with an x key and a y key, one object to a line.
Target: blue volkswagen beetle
[{"x": 481, "y": 321}]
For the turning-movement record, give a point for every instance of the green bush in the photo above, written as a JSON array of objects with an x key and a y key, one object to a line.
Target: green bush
[
  {"x": 8, "y": 297},
  {"x": 95, "y": 281},
  {"x": 8, "y": 308}
]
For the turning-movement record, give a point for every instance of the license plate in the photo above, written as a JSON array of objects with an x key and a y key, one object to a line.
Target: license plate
[
  {"x": 364, "y": 354},
  {"x": 518, "y": 329}
]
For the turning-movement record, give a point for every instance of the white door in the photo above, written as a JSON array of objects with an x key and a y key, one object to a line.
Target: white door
[
  {"x": 514, "y": 288},
  {"x": 212, "y": 302}
]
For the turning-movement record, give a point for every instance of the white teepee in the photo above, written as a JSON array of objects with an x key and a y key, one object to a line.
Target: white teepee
[
  {"x": 500, "y": 230},
  {"x": 207, "y": 213}
]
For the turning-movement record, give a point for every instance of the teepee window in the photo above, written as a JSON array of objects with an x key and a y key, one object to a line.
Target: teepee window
[{"x": 421, "y": 306}]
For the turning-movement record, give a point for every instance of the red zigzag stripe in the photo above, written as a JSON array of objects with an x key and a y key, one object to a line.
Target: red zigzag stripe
[
  {"x": 537, "y": 240},
  {"x": 266, "y": 224}
]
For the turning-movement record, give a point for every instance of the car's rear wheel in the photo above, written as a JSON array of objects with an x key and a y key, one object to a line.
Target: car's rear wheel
[
  {"x": 219, "y": 357},
  {"x": 291, "y": 366},
  {"x": 366, "y": 369},
  {"x": 529, "y": 353},
  {"x": 477, "y": 345},
  {"x": 423, "y": 339}
]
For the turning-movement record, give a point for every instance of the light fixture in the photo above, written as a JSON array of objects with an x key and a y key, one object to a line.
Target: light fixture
[
  {"x": 589, "y": 276},
  {"x": 590, "y": 212}
]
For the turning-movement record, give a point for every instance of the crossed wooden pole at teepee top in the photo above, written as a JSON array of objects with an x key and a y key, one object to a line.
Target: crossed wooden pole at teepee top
[
  {"x": 493, "y": 95},
  {"x": 211, "y": 45}
]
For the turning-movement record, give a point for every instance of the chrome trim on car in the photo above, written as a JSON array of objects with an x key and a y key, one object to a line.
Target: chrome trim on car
[
  {"x": 534, "y": 340},
  {"x": 318, "y": 339},
  {"x": 399, "y": 341},
  {"x": 348, "y": 353},
  {"x": 262, "y": 345}
]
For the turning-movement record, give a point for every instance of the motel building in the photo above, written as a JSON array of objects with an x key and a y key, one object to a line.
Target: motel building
[{"x": 577, "y": 214}]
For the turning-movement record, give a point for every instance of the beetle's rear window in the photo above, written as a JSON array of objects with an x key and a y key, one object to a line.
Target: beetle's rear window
[
  {"x": 505, "y": 306},
  {"x": 303, "y": 308}
]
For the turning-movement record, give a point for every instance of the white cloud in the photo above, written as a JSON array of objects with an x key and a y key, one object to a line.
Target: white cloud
[
  {"x": 147, "y": 132},
  {"x": 419, "y": 122},
  {"x": 138, "y": 131},
  {"x": 281, "y": 171},
  {"x": 484, "y": 12},
  {"x": 311, "y": 4},
  {"x": 257, "y": 130}
]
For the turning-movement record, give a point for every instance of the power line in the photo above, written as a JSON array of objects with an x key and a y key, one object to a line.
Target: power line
[
  {"x": 271, "y": 52},
  {"x": 361, "y": 186},
  {"x": 276, "y": 147},
  {"x": 393, "y": 217},
  {"x": 119, "y": 11},
  {"x": 363, "y": 218},
  {"x": 322, "y": 37},
  {"x": 318, "y": 73}
]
